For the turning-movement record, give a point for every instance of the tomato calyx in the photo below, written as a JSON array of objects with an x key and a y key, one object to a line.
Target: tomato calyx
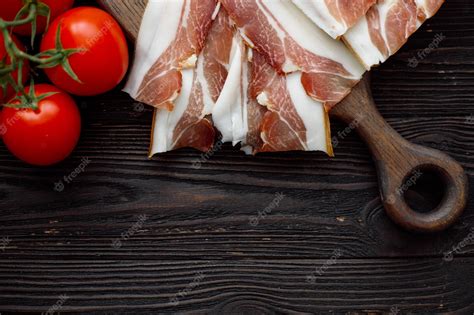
[
  {"x": 28, "y": 100},
  {"x": 60, "y": 56}
]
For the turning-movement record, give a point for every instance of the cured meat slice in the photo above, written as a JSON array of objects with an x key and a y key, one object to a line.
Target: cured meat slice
[
  {"x": 293, "y": 121},
  {"x": 230, "y": 111},
  {"x": 186, "y": 125},
  {"x": 189, "y": 125},
  {"x": 255, "y": 115},
  {"x": 290, "y": 42},
  {"x": 335, "y": 17},
  {"x": 428, "y": 8},
  {"x": 213, "y": 64},
  {"x": 386, "y": 28},
  {"x": 171, "y": 37},
  {"x": 237, "y": 114},
  {"x": 268, "y": 112}
]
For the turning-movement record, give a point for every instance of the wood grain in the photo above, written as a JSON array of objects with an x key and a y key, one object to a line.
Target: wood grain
[
  {"x": 241, "y": 287},
  {"x": 199, "y": 219},
  {"x": 127, "y": 12},
  {"x": 401, "y": 164}
]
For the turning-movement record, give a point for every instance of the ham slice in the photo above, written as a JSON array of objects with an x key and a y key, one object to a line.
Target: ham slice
[
  {"x": 428, "y": 8},
  {"x": 335, "y": 17},
  {"x": 196, "y": 67},
  {"x": 235, "y": 114},
  {"x": 290, "y": 42},
  {"x": 172, "y": 35},
  {"x": 293, "y": 121},
  {"x": 255, "y": 115},
  {"x": 268, "y": 112},
  {"x": 386, "y": 28},
  {"x": 230, "y": 111},
  {"x": 189, "y": 124}
]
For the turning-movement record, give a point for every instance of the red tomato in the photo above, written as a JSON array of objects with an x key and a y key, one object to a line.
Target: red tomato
[
  {"x": 25, "y": 72},
  {"x": 104, "y": 60},
  {"x": 45, "y": 136},
  {"x": 10, "y": 8}
]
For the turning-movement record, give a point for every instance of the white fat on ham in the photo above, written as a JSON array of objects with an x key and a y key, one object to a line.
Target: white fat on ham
[
  {"x": 313, "y": 115},
  {"x": 165, "y": 122},
  {"x": 335, "y": 17},
  {"x": 428, "y": 8},
  {"x": 292, "y": 23},
  {"x": 293, "y": 121},
  {"x": 291, "y": 42},
  {"x": 267, "y": 112},
  {"x": 189, "y": 124},
  {"x": 386, "y": 28},
  {"x": 229, "y": 113},
  {"x": 172, "y": 35},
  {"x": 148, "y": 49}
]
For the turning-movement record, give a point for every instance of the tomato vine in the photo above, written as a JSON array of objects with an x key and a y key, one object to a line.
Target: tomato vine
[{"x": 57, "y": 56}]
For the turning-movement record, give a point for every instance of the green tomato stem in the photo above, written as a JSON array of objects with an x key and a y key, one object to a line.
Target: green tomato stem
[
  {"x": 54, "y": 57},
  {"x": 31, "y": 16}
]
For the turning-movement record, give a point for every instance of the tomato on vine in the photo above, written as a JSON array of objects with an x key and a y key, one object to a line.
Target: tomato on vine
[
  {"x": 9, "y": 78},
  {"x": 45, "y": 133},
  {"x": 102, "y": 61},
  {"x": 10, "y": 9}
]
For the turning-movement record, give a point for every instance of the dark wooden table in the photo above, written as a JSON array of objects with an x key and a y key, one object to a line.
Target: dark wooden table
[{"x": 186, "y": 239}]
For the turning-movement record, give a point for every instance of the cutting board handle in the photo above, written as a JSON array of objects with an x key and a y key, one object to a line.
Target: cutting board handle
[{"x": 401, "y": 163}]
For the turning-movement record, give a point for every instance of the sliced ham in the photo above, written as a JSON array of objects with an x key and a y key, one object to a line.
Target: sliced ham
[
  {"x": 189, "y": 124},
  {"x": 268, "y": 112},
  {"x": 230, "y": 110},
  {"x": 428, "y": 8},
  {"x": 186, "y": 125},
  {"x": 255, "y": 115},
  {"x": 290, "y": 42},
  {"x": 266, "y": 82},
  {"x": 172, "y": 35},
  {"x": 386, "y": 28},
  {"x": 237, "y": 114},
  {"x": 335, "y": 17},
  {"x": 293, "y": 121}
]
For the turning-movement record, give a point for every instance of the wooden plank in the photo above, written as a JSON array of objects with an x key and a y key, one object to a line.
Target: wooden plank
[
  {"x": 199, "y": 218},
  {"x": 424, "y": 286},
  {"x": 127, "y": 12}
]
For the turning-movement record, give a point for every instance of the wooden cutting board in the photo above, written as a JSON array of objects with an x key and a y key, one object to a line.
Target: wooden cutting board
[{"x": 399, "y": 163}]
